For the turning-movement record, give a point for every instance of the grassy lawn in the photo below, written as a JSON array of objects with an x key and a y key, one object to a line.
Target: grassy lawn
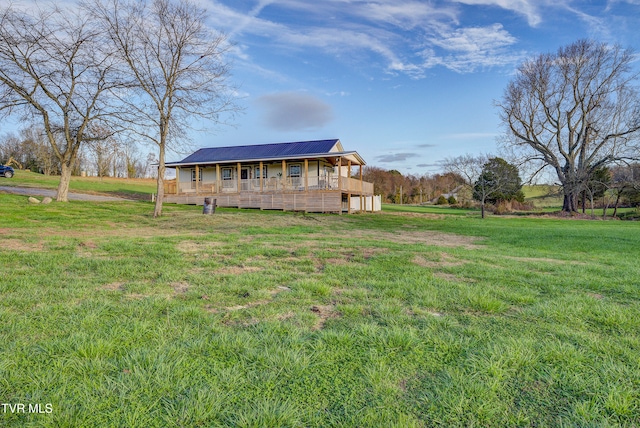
[
  {"x": 133, "y": 188},
  {"x": 428, "y": 209},
  {"x": 544, "y": 196},
  {"x": 270, "y": 319}
]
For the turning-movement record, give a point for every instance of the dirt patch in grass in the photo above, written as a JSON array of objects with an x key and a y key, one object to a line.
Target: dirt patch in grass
[
  {"x": 193, "y": 247},
  {"x": 345, "y": 258},
  {"x": 19, "y": 245},
  {"x": 180, "y": 287},
  {"x": 286, "y": 316},
  {"x": 413, "y": 214},
  {"x": 335, "y": 261},
  {"x": 426, "y": 237},
  {"x": 272, "y": 293},
  {"x": 324, "y": 313},
  {"x": 113, "y": 286},
  {"x": 238, "y": 270},
  {"x": 446, "y": 260},
  {"x": 543, "y": 260}
]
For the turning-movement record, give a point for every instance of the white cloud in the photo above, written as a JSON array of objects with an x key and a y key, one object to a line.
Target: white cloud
[
  {"x": 467, "y": 49},
  {"x": 528, "y": 8},
  {"x": 405, "y": 15},
  {"x": 475, "y": 39},
  {"x": 401, "y": 35}
]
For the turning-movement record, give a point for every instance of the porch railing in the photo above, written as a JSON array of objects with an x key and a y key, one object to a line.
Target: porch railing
[{"x": 272, "y": 184}]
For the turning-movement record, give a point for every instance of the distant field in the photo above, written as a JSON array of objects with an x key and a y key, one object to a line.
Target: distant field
[
  {"x": 270, "y": 319},
  {"x": 137, "y": 188},
  {"x": 428, "y": 209},
  {"x": 543, "y": 195}
]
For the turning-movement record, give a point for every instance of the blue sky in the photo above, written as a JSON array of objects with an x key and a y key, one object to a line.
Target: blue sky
[{"x": 406, "y": 83}]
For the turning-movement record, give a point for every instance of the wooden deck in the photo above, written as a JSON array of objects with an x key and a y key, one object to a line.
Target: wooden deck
[{"x": 316, "y": 201}]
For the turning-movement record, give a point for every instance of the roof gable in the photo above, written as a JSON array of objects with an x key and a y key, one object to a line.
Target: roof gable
[{"x": 263, "y": 151}]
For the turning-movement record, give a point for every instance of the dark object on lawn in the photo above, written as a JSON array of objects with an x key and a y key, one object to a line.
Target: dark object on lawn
[{"x": 209, "y": 206}]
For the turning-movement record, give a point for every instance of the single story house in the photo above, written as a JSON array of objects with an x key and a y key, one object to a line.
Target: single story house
[{"x": 310, "y": 176}]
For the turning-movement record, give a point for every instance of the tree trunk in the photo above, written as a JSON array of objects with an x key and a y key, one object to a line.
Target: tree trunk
[
  {"x": 615, "y": 209},
  {"x": 63, "y": 187},
  {"x": 482, "y": 208},
  {"x": 157, "y": 212},
  {"x": 569, "y": 203}
]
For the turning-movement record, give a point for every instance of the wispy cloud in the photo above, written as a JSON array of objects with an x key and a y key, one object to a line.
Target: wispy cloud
[
  {"x": 467, "y": 49},
  {"x": 405, "y": 36},
  {"x": 528, "y": 8},
  {"x": 294, "y": 111}
]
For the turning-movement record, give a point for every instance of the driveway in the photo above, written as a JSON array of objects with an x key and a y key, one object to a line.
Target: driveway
[{"x": 36, "y": 191}]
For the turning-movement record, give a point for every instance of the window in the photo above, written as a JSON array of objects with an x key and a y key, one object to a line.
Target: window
[
  {"x": 227, "y": 173},
  {"x": 294, "y": 170},
  {"x": 264, "y": 172},
  {"x": 193, "y": 174}
]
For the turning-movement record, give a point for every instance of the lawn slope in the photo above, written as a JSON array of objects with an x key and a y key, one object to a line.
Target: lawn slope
[{"x": 249, "y": 318}]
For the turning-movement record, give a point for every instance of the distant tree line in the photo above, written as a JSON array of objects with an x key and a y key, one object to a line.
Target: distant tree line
[
  {"x": 396, "y": 188},
  {"x": 30, "y": 150}
]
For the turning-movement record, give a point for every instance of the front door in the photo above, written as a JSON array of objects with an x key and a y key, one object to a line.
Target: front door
[{"x": 244, "y": 177}]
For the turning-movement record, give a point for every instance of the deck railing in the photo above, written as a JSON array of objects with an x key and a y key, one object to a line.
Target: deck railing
[{"x": 272, "y": 184}]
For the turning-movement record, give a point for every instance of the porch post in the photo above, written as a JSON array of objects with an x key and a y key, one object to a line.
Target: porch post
[
  {"x": 177, "y": 180},
  {"x": 284, "y": 174},
  {"x": 349, "y": 175},
  {"x": 261, "y": 174},
  {"x": 238, "y": 168},
  {"x": 361, "y": 189},
  {"x": 197, "y": 176},
  {"x": 217, "y": 178},
  {"x": 306, "y": 175},
  {"x": 340, "y": 182}
]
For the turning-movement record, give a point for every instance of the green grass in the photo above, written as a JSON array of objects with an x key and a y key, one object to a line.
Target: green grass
[
  {"x": 130, "y": 188},
  {"x": 251, "y": 319},
  {"x": 428, "y": 209},
  {"x": 544, "y": 196}
]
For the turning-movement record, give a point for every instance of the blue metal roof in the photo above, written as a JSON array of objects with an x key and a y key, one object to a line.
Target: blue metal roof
[{"x": 261, "y": 151}]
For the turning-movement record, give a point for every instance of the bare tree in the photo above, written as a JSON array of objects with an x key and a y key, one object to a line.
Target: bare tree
[
  {"x": 625, "y": 182},
  {"x": 178, "y": 65},
  {"x": 37, "y": 146},
  {"x": 467, "y": 166},
  {"x": 574, "y": 111},
  {"x": 54, "y": 67}
]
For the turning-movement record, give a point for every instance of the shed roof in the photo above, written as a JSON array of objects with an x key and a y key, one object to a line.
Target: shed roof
[{"x": 273, "y": 151}]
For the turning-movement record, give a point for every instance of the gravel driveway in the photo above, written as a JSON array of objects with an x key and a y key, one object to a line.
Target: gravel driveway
[{"x": 36, "y": 191}]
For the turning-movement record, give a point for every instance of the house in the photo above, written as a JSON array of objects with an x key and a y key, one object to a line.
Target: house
[{"x": 310, "y": 176}]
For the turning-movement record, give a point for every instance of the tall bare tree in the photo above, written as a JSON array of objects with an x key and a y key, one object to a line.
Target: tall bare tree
[
  {"x": 178, "y": 65},
  {"x": 574, "y": 111},
  {"x": 54, "y": 68}
]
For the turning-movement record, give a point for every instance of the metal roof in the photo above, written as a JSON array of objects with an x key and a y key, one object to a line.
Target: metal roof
[{"x": 274, "y": 151}]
